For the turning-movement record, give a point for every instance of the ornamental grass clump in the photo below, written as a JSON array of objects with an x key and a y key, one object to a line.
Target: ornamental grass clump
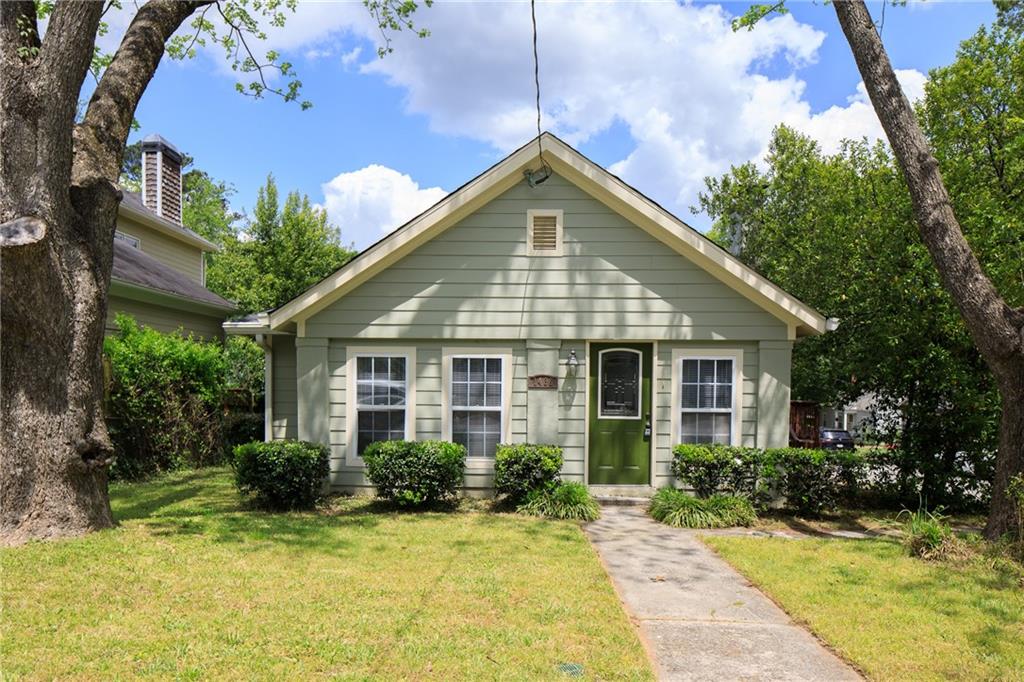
[
  {"x": 927, "y": 535},
  {"x": 677, "y": 508},
  {"x": 563, "y": 500}
]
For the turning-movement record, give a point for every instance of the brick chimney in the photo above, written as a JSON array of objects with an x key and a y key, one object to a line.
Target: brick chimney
[{"x": 161, "y": 177}]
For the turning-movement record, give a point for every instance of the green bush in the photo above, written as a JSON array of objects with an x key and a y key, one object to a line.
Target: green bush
[
  {"x": 164, "y": 403},
  {"x": 242, "y": 427},
  {"x": 414, "y": 473},
  {"x": 281, "y": 475},
  {"x": 562, "y": 500},
  {"x": 519, "y": 469},
  {"x": 811, "y": 481},
  {"x": 682, "y": 510},
  {"x": 245, "y": 369},
  {"x": 711, "y": 469}
]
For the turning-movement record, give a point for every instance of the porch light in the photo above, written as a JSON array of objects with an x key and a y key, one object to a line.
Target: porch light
[{"x": 573, "y": 362}]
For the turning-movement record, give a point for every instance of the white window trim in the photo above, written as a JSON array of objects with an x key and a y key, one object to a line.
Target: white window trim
[
  {"x": 505, "y": 354},
  {"x": 736, "y": 355},
  {"x": 559, "y": 231},
  {"x": 640, "y": 383},
  {"x": 351, "y": 412}
]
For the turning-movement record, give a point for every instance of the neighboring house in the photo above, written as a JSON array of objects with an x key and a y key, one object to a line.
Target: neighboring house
[
  {"x": 576, "y": 312},
  {"x": 864, "y": 418},
  {"x": 159, "y": 271}
]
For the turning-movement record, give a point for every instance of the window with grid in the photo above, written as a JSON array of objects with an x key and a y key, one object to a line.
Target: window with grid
[
  {"x": 476, "y": 404},
  {"x": 706, "y": 401},
  {"x": 380, "y": 399}
]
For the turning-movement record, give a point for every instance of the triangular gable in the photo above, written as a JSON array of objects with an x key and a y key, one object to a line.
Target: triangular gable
[{"x": 592, "y": 179}]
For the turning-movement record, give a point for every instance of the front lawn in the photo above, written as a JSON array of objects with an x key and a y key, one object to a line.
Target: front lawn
[
  {"x": 896, "y": 617},
  {"x": 194, "y": 585}
]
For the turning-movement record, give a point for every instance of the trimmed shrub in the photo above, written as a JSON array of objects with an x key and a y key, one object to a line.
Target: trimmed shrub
[
  {"x": 682, "y": 510},
  {"x": 711, "y": 469},
  {"x": 562, "y": 500},
  {"x": 519, "y": 469},
  {"x": 281, "y": 475},
  {"x": 414, "y": 473},
  {"x": 164, "y": 404},
  {"x": 811, "y": 481}
]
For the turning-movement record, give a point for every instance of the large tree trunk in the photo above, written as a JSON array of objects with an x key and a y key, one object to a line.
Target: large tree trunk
[
  {"x": 996, "y": 328},
  {"x": 58, "y": 209}
]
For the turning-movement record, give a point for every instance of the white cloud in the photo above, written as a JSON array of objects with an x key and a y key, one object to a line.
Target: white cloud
[
  {"x": 368, "y": 203},
  {"x": 694, "y": 96}
]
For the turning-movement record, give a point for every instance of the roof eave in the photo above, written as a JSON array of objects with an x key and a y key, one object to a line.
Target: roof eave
[{"x": 155, "y": 222}]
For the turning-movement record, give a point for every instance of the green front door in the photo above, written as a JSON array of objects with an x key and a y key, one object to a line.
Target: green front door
[{"x": 619, "y": 383}]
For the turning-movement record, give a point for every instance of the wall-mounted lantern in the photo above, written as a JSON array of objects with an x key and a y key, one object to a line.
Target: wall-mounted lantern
[{"x": 572, "y": 364}]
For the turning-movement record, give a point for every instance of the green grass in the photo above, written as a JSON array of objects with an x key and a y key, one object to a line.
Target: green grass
[
  {"x": 896, "y": 617},
  {"x": 192, "y": 584}
]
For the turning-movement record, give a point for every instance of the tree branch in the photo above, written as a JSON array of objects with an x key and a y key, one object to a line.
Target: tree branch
[
  {"x": 100, "y": 138},
  {"x": 987, "y": 315}
]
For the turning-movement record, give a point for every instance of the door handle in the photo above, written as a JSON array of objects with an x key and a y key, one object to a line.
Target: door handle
[{"x": 647, "y": 428}]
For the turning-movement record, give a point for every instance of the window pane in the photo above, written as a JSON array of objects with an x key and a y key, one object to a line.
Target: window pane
[
  {"x": 476, "y": 369},
  {"x": 723, "y": 396},
  {"x": 494, "y": 369},
  {"x": 689, "y": 396},
  {"x": 492, "y": 397},
  {"x": 364, "y": 394},
  {"x": 476, "y": 395},
  {"x": 380, "y": 369},
  {"x": 460, "y": 369},
  {"x": 724, "y": 371},
  {"x": 479, "y": 432},
  {"x": 722, "y": 428},
  {"x": 397, "y": 372},
  {"x": 707, "y": 371},
  {"x": 460, "y": 394},
  {"x": 364, "y": 369},
  {"x": 690, "y": 371},
  {"x": 620, "y": 384},
  {"x": 689, "y": 427},
  {"x": 397, "y": 395},
  {"x": 706, "y": 396}
]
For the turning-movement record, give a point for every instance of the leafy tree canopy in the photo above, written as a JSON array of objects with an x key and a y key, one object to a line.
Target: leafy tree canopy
[
  {"x": 280, "y": 252},
  {"x": 837, "y": 230}
]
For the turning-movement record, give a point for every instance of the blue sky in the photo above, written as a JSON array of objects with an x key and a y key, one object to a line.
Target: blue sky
[{"x": 661, "y": 93}]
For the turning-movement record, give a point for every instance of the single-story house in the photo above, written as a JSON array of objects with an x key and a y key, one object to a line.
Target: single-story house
[
  {"x": 159, "y": 268},
  {"x": 570, "y": 310}
]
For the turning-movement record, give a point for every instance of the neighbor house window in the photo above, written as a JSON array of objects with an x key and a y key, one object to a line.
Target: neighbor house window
[
  {"x": 381, "y": 389},
  {"x": 706, "y": 400},
  {"x": 477, "y": 387},
  {"x": 127, "y": 239}
]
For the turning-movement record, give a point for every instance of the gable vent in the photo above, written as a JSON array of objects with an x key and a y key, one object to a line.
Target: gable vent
[{"x": 545, "y": 233}]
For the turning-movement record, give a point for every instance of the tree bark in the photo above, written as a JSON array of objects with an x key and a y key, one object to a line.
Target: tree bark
[
  {"x": 58, "y": 210},
  {"x": 996, "y": 328}
]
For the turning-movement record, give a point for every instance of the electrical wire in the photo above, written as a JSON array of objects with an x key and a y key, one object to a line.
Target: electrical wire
[{"x": 536, "y": 80}]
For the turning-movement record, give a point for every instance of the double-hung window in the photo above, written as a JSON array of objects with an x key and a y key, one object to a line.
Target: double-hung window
[
  {"x": 477, "y": 390},
  {"x": 707, "y": 399},
  {"x": 381, "y": 389}
]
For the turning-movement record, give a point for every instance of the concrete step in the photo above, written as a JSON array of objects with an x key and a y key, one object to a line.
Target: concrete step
[{"x": 622, "y": 495}]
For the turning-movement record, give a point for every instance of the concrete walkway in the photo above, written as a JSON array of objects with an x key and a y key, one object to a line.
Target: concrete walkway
[{"x": 700, "y": 618}]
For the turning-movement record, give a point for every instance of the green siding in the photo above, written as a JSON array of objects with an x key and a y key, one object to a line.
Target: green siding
[
  {"x": 474, "y": 284},
  {"x": 184, "y": 258},
  {"x": 164, "y": 319},
  {"x": 285, "y": 392},
  {"x": 614, "y": 281}
]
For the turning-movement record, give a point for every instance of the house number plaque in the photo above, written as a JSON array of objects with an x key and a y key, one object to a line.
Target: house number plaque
[{"x": 542, "y": 381}]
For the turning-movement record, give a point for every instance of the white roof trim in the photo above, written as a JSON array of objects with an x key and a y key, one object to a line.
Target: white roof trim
[{"x": 589, "y": 177}]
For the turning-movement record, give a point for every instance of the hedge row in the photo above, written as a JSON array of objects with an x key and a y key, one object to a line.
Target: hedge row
[{"x": 808, "y": 481}]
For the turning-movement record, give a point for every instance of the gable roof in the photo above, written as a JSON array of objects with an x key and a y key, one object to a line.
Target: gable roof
[
  {"x": 136, "y": 267},
  {"x": 591, "y": 178}
]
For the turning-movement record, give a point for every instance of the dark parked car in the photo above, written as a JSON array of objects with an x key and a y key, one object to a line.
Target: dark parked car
[{"x": 836, "y": 439}]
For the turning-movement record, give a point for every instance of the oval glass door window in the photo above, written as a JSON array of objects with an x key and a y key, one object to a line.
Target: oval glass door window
[{"x": 620, "y": 384}]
